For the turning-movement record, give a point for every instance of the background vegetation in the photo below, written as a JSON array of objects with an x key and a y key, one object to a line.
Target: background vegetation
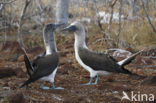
[
  {"x": 133, "y": 30},
  {"x": 128, "y": 25}
]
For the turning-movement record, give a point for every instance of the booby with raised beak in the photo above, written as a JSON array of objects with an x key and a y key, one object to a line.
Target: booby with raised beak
[
  {"x": 44, "y": 67},
  {"x": 96, "y": 63}
]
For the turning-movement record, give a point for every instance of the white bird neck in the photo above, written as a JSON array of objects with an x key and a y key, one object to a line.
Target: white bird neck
[
  {"x": 50, "y": 44},
  {"x": 80, "y": 40}
]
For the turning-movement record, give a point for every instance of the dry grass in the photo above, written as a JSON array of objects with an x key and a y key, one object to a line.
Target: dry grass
[
  {"x": 137, "y": 33},
  {"x": 140, "y": 35}
]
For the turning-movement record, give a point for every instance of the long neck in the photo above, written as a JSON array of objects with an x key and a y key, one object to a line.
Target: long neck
[
  {"x": 50, "y": 44},
  {"x": 80, "y": 40}
]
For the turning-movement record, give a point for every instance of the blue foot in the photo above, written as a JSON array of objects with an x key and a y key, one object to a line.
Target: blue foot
[
  {"x": 58, "y": 88},
  {"x": 87, "y": 84},
  {"x": 53, "y": 87},
  {"x": 96, "y": 81},
  {"x": 45, "y": 88},
  {"x": 90, "y": 82}
]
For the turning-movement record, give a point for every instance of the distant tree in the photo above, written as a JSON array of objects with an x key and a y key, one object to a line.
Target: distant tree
[
  {"x": 62, "y": 7},
  {"x": 144, "y": 4},
  {"x": 21, "y": 22},
  {"x": 133, "y": 7}
]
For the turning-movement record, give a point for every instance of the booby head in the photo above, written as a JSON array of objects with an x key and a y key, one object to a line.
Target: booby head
[
  {"x": 75, "y": 27},
  {"x": 51, "y": 27},
  {"x": 49, "y": 39},
  {"x": 78, "y": 29}
]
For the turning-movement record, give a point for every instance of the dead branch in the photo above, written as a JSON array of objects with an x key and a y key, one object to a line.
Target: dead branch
[
  {"x": 119, "y": 26},
  {"x": 111, "y": 17},
  {"x": 105, "y": 36},
  {"x": 35, "y": 14},
  {"x": 1, "y": 2},
  {"x": 110, "y": 23},
  {"x": 147, "y": 15},
  {"x": 98, "y": 40},
  {"x": 20, "y": 37}
]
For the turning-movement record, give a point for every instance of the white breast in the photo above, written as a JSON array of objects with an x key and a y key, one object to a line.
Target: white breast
[
  {"x": 92, "y": 72},
  {"x": 48, "y": 50},
  {"x": 80, "y": 61},
  {"x": 50, "y": 77},
  {"x": 80, "y": 42}
]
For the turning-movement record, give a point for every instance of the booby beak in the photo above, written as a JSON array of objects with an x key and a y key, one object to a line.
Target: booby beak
[
  {"x": 70, "y": 28},
  {"x": 57, "y": 25}
]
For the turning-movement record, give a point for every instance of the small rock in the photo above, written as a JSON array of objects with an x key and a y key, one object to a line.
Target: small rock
[
  {"x": 115, "y": 92},
  {"x": 6, "y": 72},
  {"x": 6, "y": 88}
]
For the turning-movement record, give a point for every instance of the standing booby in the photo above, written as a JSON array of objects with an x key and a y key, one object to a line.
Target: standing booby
[
  {"x": 44, "y": 66},
  {"x": 96, "y": 63}
]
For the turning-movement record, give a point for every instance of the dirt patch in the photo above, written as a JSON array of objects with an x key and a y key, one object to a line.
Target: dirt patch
[
  {"x": 71, "y": 76},
  {"x": 12, "y": 47}
]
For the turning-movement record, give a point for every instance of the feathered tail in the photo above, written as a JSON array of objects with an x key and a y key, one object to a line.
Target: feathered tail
[
  {"x": 28, "y": 67},
  {"x": 129, "y": 59},
  {"x": 28, "y": 64},
  {"x": 26, "y": 83}
]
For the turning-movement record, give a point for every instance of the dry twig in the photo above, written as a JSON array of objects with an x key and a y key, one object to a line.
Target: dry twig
[
  {"x": 20, "y": 38},
  {"x": 147, "y": 15}
]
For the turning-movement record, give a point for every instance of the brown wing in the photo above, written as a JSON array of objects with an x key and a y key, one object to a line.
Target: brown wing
[
  {"x": 45, "y": 66},
  {"x": 99, "y": 61}
]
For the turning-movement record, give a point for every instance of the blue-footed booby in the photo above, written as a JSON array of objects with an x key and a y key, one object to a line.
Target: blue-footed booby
[
  {"x": 44, "y": 67},
  {"x": 96, "y": 63}
]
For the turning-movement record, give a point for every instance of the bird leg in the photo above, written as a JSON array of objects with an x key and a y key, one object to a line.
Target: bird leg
[
  {"x": 47, "y": 88},
  {"x": 53, "y": 87},
  {"x": 43, "y": 87},
  {"x": 96, "y": 81},
  {"x": 90, "y": 82}
]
